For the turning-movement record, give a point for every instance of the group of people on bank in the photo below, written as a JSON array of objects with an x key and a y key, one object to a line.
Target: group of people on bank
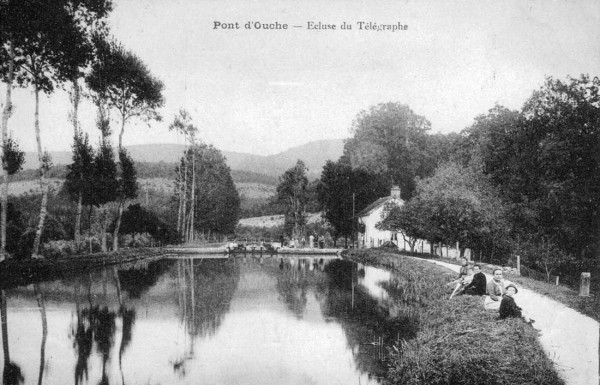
[{"x": 499, "y": 296}]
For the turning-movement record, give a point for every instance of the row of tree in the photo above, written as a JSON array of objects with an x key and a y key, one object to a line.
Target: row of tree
[
  {"x": 521, "y": 182},
  {"x": 47, "y": 45}
]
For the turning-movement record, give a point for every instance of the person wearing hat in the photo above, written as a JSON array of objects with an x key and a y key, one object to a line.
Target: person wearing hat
[{"x": 508, "y": 306}]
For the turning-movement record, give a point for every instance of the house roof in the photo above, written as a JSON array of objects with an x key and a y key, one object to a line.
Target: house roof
[{"x": 373, "y": 206}]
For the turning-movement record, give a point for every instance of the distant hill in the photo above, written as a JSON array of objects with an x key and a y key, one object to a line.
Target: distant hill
[{"x": 314, "y": 155}]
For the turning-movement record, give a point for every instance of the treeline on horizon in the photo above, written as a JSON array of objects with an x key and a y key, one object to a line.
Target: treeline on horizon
[{"x": 147, "y": 170}]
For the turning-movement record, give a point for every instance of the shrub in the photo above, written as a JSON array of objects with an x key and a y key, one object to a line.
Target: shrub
[{"x": 58, "y": 249}]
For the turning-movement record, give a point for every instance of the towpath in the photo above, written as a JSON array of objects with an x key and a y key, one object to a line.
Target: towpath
[{"x": 569, "y": 338}]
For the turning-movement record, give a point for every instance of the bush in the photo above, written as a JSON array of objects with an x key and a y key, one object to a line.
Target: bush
[
  {"x": 137, "y": 240},
  {"x": 137, "y": 220},
  {"x": 58, "y": 249}
]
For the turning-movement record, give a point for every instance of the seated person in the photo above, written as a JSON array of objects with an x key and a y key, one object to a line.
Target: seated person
[
  {"x": 464, "y": 270},
  {"x": 477, "y": 286},
  {"x": 495, "y": 290},
  {"x": 462, "y": 283},
  {"x": 508, "y": 306}
]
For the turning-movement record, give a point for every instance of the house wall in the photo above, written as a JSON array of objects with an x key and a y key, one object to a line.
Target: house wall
[{"x": 374, "y": 237}]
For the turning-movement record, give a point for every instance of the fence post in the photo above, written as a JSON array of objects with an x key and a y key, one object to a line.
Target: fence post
[
  {"x": 457, "y": 251},
  {"x": 584, "y": 288},
  {"x": 519, "y": 265}
]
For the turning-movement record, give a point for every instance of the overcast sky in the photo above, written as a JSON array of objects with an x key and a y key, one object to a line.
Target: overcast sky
[{"x": 263, "y": 91}]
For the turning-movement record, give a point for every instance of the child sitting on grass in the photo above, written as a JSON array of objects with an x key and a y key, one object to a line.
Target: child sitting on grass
[{"x": 508, "y": 306}]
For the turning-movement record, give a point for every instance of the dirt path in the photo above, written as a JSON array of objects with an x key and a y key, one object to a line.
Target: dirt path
[{"x": 569, "y": 338}]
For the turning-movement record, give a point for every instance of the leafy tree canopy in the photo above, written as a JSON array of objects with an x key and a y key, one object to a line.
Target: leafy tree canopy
[
  {"x": 391, "y": 140},
  {"x": 217, "y": 199}
]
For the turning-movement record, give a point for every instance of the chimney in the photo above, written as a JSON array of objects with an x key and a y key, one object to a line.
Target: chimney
[{"x": 395, "y": 193}]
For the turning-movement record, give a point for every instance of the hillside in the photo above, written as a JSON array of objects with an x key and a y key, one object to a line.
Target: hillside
[{"x": 314, "y": 154}]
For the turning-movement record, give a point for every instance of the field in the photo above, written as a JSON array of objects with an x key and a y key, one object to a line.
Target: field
[
  {"x": 162, "y": 185},
  {"x": 269, "y": 221}
]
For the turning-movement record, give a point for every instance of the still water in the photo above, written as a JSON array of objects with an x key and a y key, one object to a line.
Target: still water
[{"x": 244, "y": 320}]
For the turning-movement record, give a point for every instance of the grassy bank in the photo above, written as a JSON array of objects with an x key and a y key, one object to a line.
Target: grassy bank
[
  {"x": 458, "y": 342},
  {"x": 589, "y": 306},
  {"x": 15, "y": 272}
]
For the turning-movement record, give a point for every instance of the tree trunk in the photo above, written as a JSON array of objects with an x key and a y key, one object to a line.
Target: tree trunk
[
  {"x": 90, "y": 226},
  {"x": 3, "y": 315},
  {"x": 121, "y": 198},
  {"x": 118, "y": 225},
  {"x": 189, "y": 220},
  {"x": 78, "y": 221},
  {"x": 43, "y": 184},
  {"x": 75, "y": 117},
  {"x": 121, "y": 133},
  {"x": 102, "y": 215},
  {"x": 102, "y": 239},
  {"x": 185, "y": 199},
  {"x": 180, "y": 207},
  {"x": 5, "y": 115},
  {"x": 42, "y": 305},
  {"x": 193, "y": 197}
]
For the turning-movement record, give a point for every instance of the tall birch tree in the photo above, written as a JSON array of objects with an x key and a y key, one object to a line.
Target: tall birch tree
[
  {"x": 183, "y": 125},
  {"x": 123, "y": 81}
]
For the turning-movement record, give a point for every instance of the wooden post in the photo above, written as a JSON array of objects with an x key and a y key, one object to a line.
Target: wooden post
[
  {"x": 557, "y": 280},
  {"x": 519, "y": 265},
  {"x": 584, "y": 288}
]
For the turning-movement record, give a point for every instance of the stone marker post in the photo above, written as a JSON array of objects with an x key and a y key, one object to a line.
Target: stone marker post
[{"x": 584, "y": 289}]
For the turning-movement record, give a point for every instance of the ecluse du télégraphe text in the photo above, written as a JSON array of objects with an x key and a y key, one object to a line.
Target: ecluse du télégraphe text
[{"x": 312, "y": 26}]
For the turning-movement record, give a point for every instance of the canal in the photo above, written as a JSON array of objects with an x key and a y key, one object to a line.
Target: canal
[{"x": 236, "y": 320}]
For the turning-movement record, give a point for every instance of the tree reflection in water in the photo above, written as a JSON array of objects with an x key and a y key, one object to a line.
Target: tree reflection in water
[
  {"x": 205, "y": 288},
  {"x": 138, "y": 279},
  {"x": 83, "y": 343},
  {"x": 104, "y": 325},
  {"x": 292, "y": 285},
  {"x": 128, "y": 319},
  {"x": 97, "y": 323},
  {"x": 42, "y": 306},
  {"x": 370, "y": 326},
  {"x": 12, "y": 372}
]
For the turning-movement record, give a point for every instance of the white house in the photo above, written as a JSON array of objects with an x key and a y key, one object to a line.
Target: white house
[
  {"x": 372, "y": 214},
  {"x": 373, "y": 237}
]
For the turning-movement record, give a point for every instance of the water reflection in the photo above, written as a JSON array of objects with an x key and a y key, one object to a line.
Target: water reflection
[
  {"x": 244, "y": 320},
  {"x": 12, "y": 372}
]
